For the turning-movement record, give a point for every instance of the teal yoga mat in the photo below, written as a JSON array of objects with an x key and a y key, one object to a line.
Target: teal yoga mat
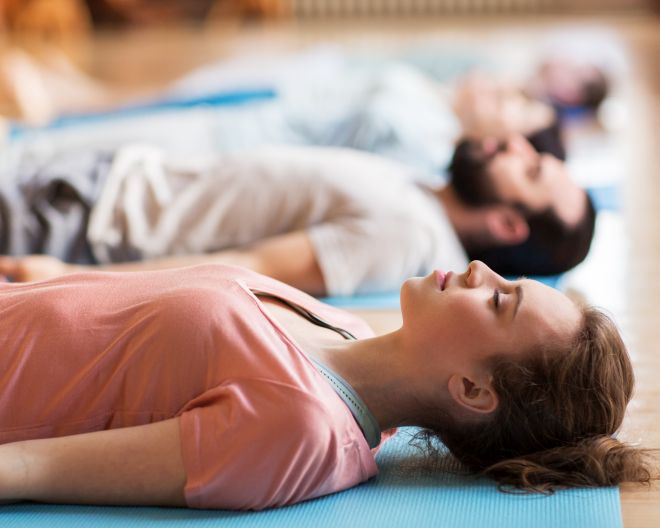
[
  {"x": 409, "y": 491},
  {"x": 149, "y": 108}
]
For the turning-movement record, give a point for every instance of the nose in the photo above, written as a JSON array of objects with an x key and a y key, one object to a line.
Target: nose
[
  {"x": 477, "y": 273},
  {"x": 517, "y": 144}
]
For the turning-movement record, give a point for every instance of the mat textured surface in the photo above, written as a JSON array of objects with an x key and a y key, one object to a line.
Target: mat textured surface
[{"x": 409, "y": 491}]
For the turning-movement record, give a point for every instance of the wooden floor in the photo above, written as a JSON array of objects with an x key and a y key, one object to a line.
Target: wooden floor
[
  {"x": 641, "y": 319},
  {"x": 168, "y": 54}
]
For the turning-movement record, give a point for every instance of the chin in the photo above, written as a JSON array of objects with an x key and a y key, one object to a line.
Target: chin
[
  {"x": 412, "y": 293},
  {"x": 405, "y": 287},
  {"x": 407, "y": 293},
  {"x": 413, "y": 283}
]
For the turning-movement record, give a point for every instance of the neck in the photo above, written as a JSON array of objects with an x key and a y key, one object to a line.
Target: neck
[{"x": 373, "y": 367}]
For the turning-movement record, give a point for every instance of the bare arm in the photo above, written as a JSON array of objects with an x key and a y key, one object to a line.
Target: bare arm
[
  {"x": 289, "y": 257},
  {"x": 132, "y": 466}
]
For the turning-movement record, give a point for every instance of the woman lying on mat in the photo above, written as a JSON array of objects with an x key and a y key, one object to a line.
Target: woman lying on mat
[{"x": 216, "y": 387}]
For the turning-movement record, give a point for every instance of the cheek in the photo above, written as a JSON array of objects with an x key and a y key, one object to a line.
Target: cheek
[
  {"x": 508, "y": 182},
  {"x": 467, "y": 325}
]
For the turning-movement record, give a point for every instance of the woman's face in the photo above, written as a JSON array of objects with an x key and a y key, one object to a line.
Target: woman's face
[{"x": 460, "y": 319}]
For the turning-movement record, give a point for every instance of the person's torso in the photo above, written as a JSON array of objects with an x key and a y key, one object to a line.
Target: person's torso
[
  {"x": 98, "y": 351},
  {"x": 152, "y": 207}
]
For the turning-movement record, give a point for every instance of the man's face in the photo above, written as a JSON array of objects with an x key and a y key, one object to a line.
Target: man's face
[{"x": 520, "y": 175}]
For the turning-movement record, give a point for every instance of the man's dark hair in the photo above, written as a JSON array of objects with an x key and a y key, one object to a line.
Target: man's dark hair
[
  {"x": 595, "y": 90},
  {"x": 468, "y": 172},
  {"x": 548, "y": 140},
  {"x": 552, "y": 246}
]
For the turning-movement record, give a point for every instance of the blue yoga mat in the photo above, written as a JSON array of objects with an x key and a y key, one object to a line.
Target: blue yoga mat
[
  {"x": 409, "y": 491},
  {"x": 149, "y": 108},
  {"x": 606, "y": 197}
]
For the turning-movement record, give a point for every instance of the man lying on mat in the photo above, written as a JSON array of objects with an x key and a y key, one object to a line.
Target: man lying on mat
[{"x": 327, "y": 221}]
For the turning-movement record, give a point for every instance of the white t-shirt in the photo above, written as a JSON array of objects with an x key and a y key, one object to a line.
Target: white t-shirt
[{"x": 371, "y": 228}]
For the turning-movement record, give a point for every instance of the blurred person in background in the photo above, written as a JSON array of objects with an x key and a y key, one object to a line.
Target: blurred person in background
[
  {"x": 567, "y": 78},
  {"x": 570, "y": 84},
  {"x": 323, "y": 98}
]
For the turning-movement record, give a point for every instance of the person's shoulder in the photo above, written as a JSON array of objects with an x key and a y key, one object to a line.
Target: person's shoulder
[
  {"x": 296, "y": 416},
  {"x": 305, "y": 439},
  {"x": 322, "y": 432}
]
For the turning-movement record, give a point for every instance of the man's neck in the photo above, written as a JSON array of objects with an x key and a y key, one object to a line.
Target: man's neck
[{"x": 468, "y": 222}]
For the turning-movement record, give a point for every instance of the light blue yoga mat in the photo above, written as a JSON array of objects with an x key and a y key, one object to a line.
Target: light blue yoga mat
[
  {"x": 606, "y": 197},
  {"x": 409, "y": 491},
  {"x": 150, "y": 108}
]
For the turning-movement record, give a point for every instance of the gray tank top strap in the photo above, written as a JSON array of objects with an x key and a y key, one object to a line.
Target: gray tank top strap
[
  {"x": 365, "y": 419},
  {"x": 356, "y": 405}
]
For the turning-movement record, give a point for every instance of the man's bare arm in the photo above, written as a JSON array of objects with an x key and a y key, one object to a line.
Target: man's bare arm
[{"x": 289, "y": 257}]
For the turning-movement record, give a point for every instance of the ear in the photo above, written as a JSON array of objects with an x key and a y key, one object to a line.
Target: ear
[
  {"x": 472, "y": 395},
  {"x": 506, "y": 225}
]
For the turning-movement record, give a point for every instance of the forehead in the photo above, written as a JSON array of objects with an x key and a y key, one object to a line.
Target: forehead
[
  {"x": 547, "y": 310},
  {"x": 506, "y": 167},
  {"x": 510, "y": 157},
  {"x": 506, "y": 174}
]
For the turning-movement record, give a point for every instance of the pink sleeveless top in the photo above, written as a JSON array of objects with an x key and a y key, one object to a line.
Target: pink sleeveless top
[{"x": 260, "y": 426}]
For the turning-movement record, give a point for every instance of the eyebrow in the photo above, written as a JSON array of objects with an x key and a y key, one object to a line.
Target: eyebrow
[{"x": 519, "y": 298}]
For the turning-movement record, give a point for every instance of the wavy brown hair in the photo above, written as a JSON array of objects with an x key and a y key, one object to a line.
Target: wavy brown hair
[{"x": 557, "y": 414}]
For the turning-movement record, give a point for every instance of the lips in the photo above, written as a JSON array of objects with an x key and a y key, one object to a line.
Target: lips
[{"x": 440, "y": 279}]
